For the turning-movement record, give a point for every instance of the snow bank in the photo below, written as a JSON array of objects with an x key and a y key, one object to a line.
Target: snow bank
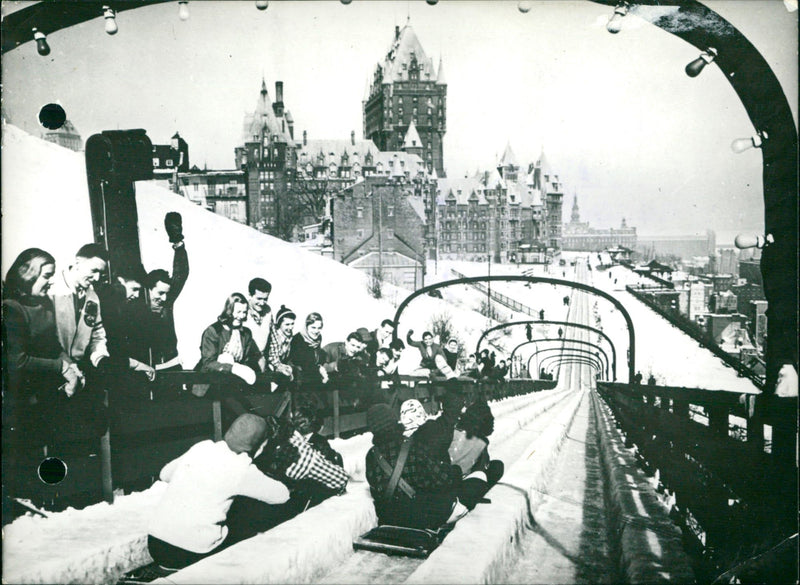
[{"x": 94, "y": 545}]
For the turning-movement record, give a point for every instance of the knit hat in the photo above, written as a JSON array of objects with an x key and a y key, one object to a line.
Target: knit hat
[
  {"x": 477, "y": 420},
  {"x": 246, "y": 433},
  {"x": 381, "y": 418},
  {"x": 412, "y": 415},
  {"x": 282, "y": 313}
]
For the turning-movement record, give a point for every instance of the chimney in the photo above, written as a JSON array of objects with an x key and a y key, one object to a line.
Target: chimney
[
  {"x": 305, "y": 138},
  {"x": 396, "y": 32},
  {"x": 277, "y": 107},
  {"x": 353, "y": 137}
]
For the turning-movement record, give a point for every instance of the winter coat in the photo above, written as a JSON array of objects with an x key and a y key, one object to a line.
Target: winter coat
[
  {"x": 202, "y": 484},
  {"x": 212, "y": 344},
  {"x": 434, "y": 480},
  {"x": 427, "y": 354},
  {"x": 294, "y": 460},
  {"x": 451, "y": 358},
  {"x": 306, "y": 361},
  {"x": 32, "y": 361},
  {"x": 82, "y": 335}
]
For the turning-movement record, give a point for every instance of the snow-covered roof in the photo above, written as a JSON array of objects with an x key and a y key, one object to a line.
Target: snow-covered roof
[
  {"x": 405, "y": 50},
  {"x": 333, "y": 151},
  {"x": 412, "y": 137},
  {"x": 263, "y": 121}
]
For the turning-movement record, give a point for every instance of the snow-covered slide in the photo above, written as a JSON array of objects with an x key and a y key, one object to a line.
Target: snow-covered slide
[{"x": 306, "y": 548}]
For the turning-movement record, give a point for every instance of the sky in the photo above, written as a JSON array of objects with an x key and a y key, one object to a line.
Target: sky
[{"x": 626, "y": 130}]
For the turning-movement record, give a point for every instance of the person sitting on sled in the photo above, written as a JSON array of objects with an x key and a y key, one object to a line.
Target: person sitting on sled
[
  {"x": 191, "y": 521},
  {"x": 429, "y": 491},
  {"x": 469, "y": 448}
]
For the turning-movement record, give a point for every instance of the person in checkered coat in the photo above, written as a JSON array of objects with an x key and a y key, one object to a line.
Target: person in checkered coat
[
  {"x": 431, "y": 491},
  {"x": 296, "y": 455}
]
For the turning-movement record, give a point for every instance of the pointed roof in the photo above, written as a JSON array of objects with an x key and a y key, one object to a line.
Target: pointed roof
[
  {"x": 440, "y": 78},
  {"x": 412, "y": 138},
  {"x": 263, "y": 119},
  {"x": 508, "y": 159},
  {"x": 404, "y": 49}
]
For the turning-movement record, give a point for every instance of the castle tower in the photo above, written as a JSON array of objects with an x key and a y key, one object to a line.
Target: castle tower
[
  {"x": 576, "y": 213},
  {"x": 406, "y": 89}
]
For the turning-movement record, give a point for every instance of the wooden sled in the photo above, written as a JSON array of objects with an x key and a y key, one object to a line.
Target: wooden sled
[{"x": 401, "y": 541}]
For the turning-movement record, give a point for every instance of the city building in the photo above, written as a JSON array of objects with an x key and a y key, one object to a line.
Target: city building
[
  {"x": 66, "y": 136},
  {"x": 723, "y": 302},
  {"x": 506, "y": 213},
  {"x": 223, "y": 192},
  {"x": 172, "y": 157},
  {"x": 579, "y": 236},
  {"x": 380, "y": 223},
  {"x": 679, "y": 246},
  {"x": 406, "y": 89},
  {"x": 728, "y": 261},
  {"x": 268, "y": 156}
]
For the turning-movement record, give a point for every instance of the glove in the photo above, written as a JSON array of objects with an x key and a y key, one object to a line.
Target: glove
[
  {"x": 74, "y": 379},
  {"x": 142, "y": 367},
  {"x": 173, "y": 223},
  {"x": 244, "y": 372}
]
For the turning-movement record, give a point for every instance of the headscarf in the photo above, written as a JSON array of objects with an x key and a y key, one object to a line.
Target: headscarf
[{"x": 412, "y": 415}]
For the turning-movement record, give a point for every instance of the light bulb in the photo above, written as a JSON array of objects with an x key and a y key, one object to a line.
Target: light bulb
[
  {"x": 744, "y": 241},
  {"x": 694, "y": 68},
  {"x": 262, "y": 4},
  {"x": 432, "y": 2},
  {"x": 524, "y": 7},
  {"x": 41, "y": 42},
  {"x": 110, "y": 17},
  {"x": 346, "y": 1},
  {"x": 183, "y": 9},
  {"x": 741, "y": 144},
  {"x": 615, "y": 22}
]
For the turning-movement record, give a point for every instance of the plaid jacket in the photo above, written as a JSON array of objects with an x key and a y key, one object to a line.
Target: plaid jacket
[
  {"x": 291, "y": 457},
  {"x": 434, "y": 479}
]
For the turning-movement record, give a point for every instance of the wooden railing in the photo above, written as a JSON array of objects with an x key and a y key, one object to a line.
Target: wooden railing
[{"x": 734, "y": 479}]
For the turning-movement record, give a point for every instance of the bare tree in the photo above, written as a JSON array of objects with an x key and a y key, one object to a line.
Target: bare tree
[{"x": 303, "y": 204}]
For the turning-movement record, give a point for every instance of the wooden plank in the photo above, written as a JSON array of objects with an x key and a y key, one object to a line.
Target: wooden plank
[{"x": 152, "y": 416}]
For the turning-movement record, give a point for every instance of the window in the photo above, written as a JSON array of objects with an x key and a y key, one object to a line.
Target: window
[
  {"x": 360, "y": 234},
  {"x": 359, "y": 212},
  {"x": 390, "y": 211},
  {"x": 390, "y": 234}
]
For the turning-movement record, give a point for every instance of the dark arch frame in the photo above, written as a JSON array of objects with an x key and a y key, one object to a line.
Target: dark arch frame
[
  {"x": 594, "y": 363},
  {"x": 567, "y": 360},
  {"x": 532, "y": 279},
  {"x": 562, "y": 340},
  {"x": 570, "y": 351},
  {"x": 549, "y": 322}
]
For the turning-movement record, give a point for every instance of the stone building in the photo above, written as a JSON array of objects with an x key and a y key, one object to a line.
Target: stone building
[
  {"x": 406, "y": 89},
  {"x": 579, "y": 236},
  {"x": 380, "y": 222},
  {"x": 506, "y": 213},
  {"x": 66, "y": 136},
  {"x": 223, "y": 192},
  {"x": 268, "y": 156}
]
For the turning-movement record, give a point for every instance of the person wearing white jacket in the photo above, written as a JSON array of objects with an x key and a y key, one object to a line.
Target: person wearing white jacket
[{"x": 189, "y": 523}]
